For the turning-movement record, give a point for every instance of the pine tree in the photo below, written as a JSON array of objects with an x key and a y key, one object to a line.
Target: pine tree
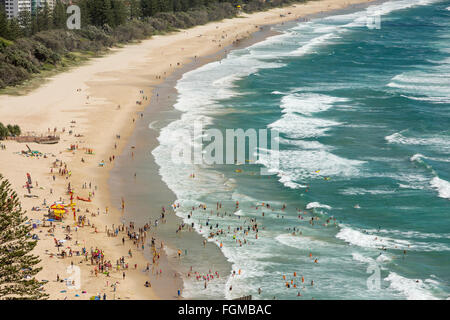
[
  {"x": 39, "y": 19},
  {"x": 34, "y": 24},
  {"x": 86, "y": 14},
  {"x": 17, "y": 264},
  {"x": 14, "y": 30},
  {"x": 185, "y": 5},
  {"x": 25, "y": 21},
  {"x": 3, "y": 131},
  {"x": 3, "y": 22},
  {"x": 134, "y": 8},
  {"x": 17, "y": 130},
  {"x": 177, "y": 5},
  {"x": 119, "y": 12},
  {"x": 44, "y": 18},
  {"x": 150, "y": 7},
  {"x": 59, "y": 15},
  {"x": 107, "y": 14},
  {"x": 165, "y": 5},
  {"x": 145, "y": 8}
]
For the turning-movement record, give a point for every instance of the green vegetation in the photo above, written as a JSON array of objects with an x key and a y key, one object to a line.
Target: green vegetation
[
  {"x": 9, "y": 130},
  {"x": 37, "y": 43},
  {"x": 17, "y": 265}
]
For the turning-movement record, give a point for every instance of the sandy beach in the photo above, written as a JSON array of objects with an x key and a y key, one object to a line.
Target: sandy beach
[{"x": 97, "y": 106}]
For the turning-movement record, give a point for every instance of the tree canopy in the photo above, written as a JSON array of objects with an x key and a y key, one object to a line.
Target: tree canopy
[{"x": 18, "y": 266}]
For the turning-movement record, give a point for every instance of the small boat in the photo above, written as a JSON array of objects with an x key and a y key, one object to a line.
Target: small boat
[
  {"x": 47, "y": 141},
  {"x": 84, "y": 199}
]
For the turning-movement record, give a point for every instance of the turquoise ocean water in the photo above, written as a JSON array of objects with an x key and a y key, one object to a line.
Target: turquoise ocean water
[{"x": 363, "y": 116}]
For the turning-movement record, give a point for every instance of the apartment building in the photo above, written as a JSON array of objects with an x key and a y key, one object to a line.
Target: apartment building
[
  {"x": 41, "y": 3},
  {"x": 13, "y": 7}
]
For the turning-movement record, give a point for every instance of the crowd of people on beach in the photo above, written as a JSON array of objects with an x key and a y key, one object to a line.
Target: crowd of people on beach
[
  {"x": 65, "y": 231},
  {"x": 244, "y": 233}
]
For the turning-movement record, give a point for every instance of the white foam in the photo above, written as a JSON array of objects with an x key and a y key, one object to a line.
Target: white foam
[
  {"x": 413, "y": 289},
  {"x": 306, "y": 33},
  {"x": 442, "y": 186},
  {"x": 304, "y": 144},
  {"x": 422, "y": 89},
  {"x": 361, "y": 191},
  {"x": 359, "y": 19},
  {"x": 238, "y": 213},
  {"x": 299, "y": 165},
  {"x": 243, "y": 197},
  {"x": 298, "y": 127},
  {"x": 436, "y": 100},
  {"x": 356, "y": 237},
  {"x": 313, "y": 205},
  {"x": 310, "y": 45},
  {"x": 388, "y": 7},
  {"x": 300, "y": 242},
  {"x": 200, "y": 93},
  {"x": 416, "y": 157},
  {"x": 423, "y": 78},
  {"x": 287, "y": 181},
  {"x": 359, "y": 257},
  {"x": 380, "y": 259},
  {"x": 200, "y": 89},
  {"x": 383, "y": 258},
  {"x": 410, "y": 234},
  {"x": 430, "y": 83},
  {"x": 369, "y": 239},
  {"x": 398, "y": 138},
  {"x": 409, "y": 186},
  {"x": 308, "y": 103}
]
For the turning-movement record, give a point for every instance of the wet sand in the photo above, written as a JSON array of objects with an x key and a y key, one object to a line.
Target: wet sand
[
  {"x": 85, "y": 101},
  {"x": 152, "y": 193}
]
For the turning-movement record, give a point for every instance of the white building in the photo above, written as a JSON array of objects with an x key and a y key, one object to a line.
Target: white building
[
  {"x": 13, "y": 7},
  {"x": 41, "y": 3}
]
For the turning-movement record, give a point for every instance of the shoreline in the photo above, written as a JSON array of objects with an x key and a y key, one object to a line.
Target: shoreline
[
  {"x": 160, "y": 193},
  {"x": 168, "y": 88},
  {"x": 108, "y": 82}
]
